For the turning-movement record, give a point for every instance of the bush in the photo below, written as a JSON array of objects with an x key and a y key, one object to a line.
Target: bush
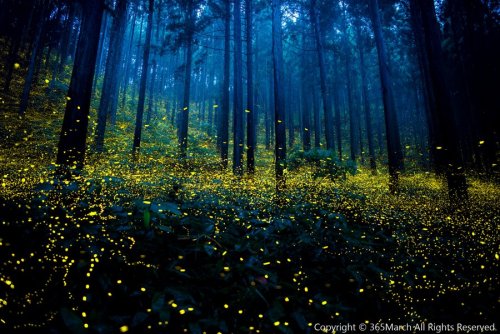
[{"x": 325, "y": 163}]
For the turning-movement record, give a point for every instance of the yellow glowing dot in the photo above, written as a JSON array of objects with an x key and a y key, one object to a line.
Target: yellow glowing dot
[
  {"x": 17, "y": 66},
  {"x": 361, "y": 290},
  {"x": 226, "y": 306},
  {"x": 174, "y": 305},
  {"x": 261, "y": 316},
  {"x": 497, "y": 256},
  {"x": 147, "y": 202},
  {"x": 182, "y": 311},
  {"x": 306, "y": 289},
  {"x": 287, "y": 299},
  {"x": 190, "y": 309},
  {"x": 86, "y": 325},
  {"x": 84, "y": 314},
  {"x": 124, "y": 329},
  {"x": 481, "y": 142},
  {"x": 119, "y": 281},
  {"x": 68, "y": 98},
  {"x": 324, "y": 302},
  {"x": 84, "y": 298},
  {"x": 240, "y": 311},
  {"x": 47, "y": 81},
  {"x": 143, "y": 289},
  {"x": 276, "y": 323}
]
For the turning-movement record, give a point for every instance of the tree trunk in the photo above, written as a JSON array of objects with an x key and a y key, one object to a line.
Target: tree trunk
[
  {"x": 224, "y": 117},
  {"x": 184, "y": 115},
  {"x": 238, "y": 93},
  {"x": 250, "y": 96},
  {"x": 72, "y": 141},
  {"x": 144, "y": 78},
  {"x": 366, "y": 103},
  {"x": 37, "y": 44},
  {"x": 327, "y": 108},
  {"x": 110, "y": 85},
  {"x": 447, "y": 134},
  {"x": 279, "y": 100},
  {"x": 65, "y": 41},
  {"x": 391, "y": 121}
]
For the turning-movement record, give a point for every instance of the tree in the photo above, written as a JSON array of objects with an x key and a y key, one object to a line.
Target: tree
[
  {"x": 144, "y": 78},
  {"x": 364, "y": 98},
  {"x": 184, "y": 115},
  {"x": 279, "y": 98},
  {"x": 35, "y": 53},
  {"x": 72, "y": 141},
  {"x": 250, "y": 96},
  {"x": 447, "y": 136},
  {"x": 327, "y": 108},
  {"x": 238, "y": 93},
  {"x": 391, "y": 122},
  {"x": 110, "y": 84},
  {"x": 223, "y": 128}
]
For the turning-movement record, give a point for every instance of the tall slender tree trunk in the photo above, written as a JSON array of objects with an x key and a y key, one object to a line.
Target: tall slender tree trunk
[
  {"x": 64, "y": 48},
  {"x": 101, "y": 49},
  {"x": 250, "y": 96},
  {"x": 224, "y": 117},
  {"x": 144, "y": 78},
  {"x": 279, "y": 99},
  {"x": 35, "y": 53},
  {"x": 317, "y": 121},
  {"x": 73, "y": 138},
  {"x": 184, "y": 114},
  {"x": 447, "y": 135},
  {"x": 128, "y": 65},
  {"x": 305, "y": 115},
  {"x": 391, "y": 122},
  {"x": 366, "y": 103},
  {"x": 238, "y": 93},
  {"x": 327, "y": 108},
  {"x": 110, "y": 84}
]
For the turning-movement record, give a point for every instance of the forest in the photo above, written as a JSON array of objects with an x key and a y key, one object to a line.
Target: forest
[{"x": 249, "y": 166}]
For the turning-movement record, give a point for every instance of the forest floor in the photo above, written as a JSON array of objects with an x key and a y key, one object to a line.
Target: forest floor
[{"x": 151, "y": 244}]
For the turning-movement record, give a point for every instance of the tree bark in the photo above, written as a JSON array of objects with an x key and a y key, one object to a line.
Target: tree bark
[
  {"x": 250, "y": 96},
  {"x": 279, "y": 100},
  {"x": 391, "y": 121},
  {"x": 447, "y": 152},
  {"x": 238, "y": 137},
  {"x": 327, "y": 108},
  {"x": 184, "y": 116},
  {"x": 73, "y": 138},
  {"x": 110, "y": 84},
  {"x": 366, "y": 103},
  {"x": 144, "y": 78},
  {"x": 224, "y": 116}
]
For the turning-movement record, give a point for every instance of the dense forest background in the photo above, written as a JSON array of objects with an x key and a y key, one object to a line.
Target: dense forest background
[{"x": 248, "y": 165}]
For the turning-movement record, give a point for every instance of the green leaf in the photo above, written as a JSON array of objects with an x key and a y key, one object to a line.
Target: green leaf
[{"x": 147, "y": 219}]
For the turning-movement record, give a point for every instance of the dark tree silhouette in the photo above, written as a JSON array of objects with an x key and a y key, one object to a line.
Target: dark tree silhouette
[{"x": 73, "y": 138}]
